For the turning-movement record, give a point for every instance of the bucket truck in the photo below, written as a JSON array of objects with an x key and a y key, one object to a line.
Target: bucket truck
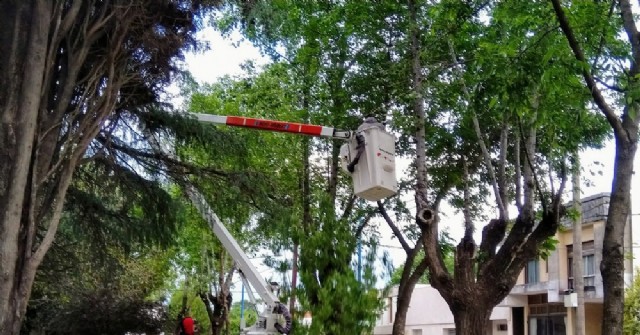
[{"x": 368, "y": 155}]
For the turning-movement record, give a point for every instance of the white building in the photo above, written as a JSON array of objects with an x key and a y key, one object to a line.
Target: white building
[{"x": 429, "y": 314}]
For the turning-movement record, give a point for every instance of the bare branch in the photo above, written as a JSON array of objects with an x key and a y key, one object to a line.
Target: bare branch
[
  {"x": 420, "y": 270},
  {"x": 418, "y": 108},
  {"x": 531, "y": 183},
  {"x": 518, "y": 167},
  {"x": 502, "y": 165},
  {"x": 56, "y": 215},
  {"x": 440, "y": 277},
  {"x": 349, "y": 207},
  {"x": 363, "y": 225},
  {"x": 609, "y": 86},
  {"x": 468, "y": 223},
  {"x": 394, "y": 228}
]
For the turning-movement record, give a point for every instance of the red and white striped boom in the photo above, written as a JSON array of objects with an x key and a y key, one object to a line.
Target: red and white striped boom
[{"x": 279, "y": 126}]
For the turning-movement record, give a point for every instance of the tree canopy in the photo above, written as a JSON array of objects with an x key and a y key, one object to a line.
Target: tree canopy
[{"x": 487, "y": 100}]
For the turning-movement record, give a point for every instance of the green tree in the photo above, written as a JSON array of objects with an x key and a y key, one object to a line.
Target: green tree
[
  {"x": 320, "y": 56},
  {"x": 83, "y": 289},
  {"x": 271, "y": 159},
  {"x": 509, "y": 141},
  {"x": 73, "y": 69},
  {"x": 108, "y": 257},
  {"x": 474, "y": 127},
  {"x": 272, "y": 93},
  {"x": 250, "y": 316},
  {"x": 602, "y": 75}
]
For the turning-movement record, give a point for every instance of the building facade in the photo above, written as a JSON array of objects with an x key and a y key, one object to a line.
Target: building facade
[
  {"x": 541, "y": 302},
  {"x": 429, "y": 314}
]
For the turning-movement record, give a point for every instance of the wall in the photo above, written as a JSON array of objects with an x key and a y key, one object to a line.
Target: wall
[
  {"x": 430, "y": 313},
  {"x": 593, "y": 319},
  {"x": 427, "y": 311},
  {"x": 427, "y": 307}
]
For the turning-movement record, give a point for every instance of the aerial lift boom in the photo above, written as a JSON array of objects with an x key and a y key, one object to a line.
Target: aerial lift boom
[
  {"x": 368, "y": 155},
  {"x": 266, "y": 324}
]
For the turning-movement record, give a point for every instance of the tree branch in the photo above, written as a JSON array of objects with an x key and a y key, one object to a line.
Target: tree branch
[
  {"x": 483, "y": 146},
  {"x": 598, "y": 98},
  {"x": 530, "y": 170},
  {"x": 394, "y": 228},
  {"x": 468, "y": 223},
  {"x": 419, "y": 270},
  {"x": 365, "y": 222},
  {"x": 349, "y": 207},
  {"x": 502, "y": 166},
  {"x": 609, "y": 86},
  {"x": 518, "y": 181},
  {"x": 159, "y": 156},
  {"x": 629, "y": 23}
]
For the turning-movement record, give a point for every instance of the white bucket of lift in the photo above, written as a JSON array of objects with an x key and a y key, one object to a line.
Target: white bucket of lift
[{"x": 374, "y": 175}]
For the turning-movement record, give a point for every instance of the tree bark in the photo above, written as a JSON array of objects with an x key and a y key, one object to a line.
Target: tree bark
[
  {"x": 294, "y": 280},
  {"x": 471, "y": 318},
  {"x": 405, "y": 291},
  {"x": 216, "y": 310},
  {"x": 578, "y": 280},
  {"x": 612, "y": 265},
  {"x": 26, "y": 29}
]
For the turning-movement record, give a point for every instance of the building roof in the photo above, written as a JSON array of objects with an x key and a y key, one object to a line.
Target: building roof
[{"x": 594, "y": 208}]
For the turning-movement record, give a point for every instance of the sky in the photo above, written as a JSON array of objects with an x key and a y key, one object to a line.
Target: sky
[{"x": 227, "y": 54}]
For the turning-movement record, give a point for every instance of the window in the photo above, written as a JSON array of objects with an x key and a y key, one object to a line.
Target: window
[
  {"x": 449, "y": 331},
  {"x": 588, "y": 265},
  {"x": 589, "y": 270},
  {"x": 547, "y": 325},
  {"x": 416, "y": 332},
  {"x": 531, "y": 272}
]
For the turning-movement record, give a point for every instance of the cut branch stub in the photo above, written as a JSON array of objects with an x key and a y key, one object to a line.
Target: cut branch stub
[{"x": 426, "y": 216}]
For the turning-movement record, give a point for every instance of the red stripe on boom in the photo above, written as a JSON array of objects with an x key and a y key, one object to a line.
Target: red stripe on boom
[{"x": 282, "y": 126}]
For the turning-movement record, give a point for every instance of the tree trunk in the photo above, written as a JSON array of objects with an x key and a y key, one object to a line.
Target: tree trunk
[
  {"x": 25, "y": 26},
  {"x": 612, "y": 266},
  {"x": 400, "y": 318},
  {"x": 294, "y": 280},
  {"x": 216, "y": 310},
  {"x": 578, "y": 281},
  {"x": 405, "y": 290},
  {"x": 410, "y": 278},
  {"x": 471, "y": 318},
  {"x": 217, "y": 325}
]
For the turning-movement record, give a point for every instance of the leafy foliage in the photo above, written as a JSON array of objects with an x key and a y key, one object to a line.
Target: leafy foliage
[
  {"x": 339, "y": 303},
  {"x": 88, "y": 67},
  {"x": 447, "y": 248},
  {"x": 83, "y": 289},
  {"x": 632, "y": 307},
  {"x": 498, "y": 120}
]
